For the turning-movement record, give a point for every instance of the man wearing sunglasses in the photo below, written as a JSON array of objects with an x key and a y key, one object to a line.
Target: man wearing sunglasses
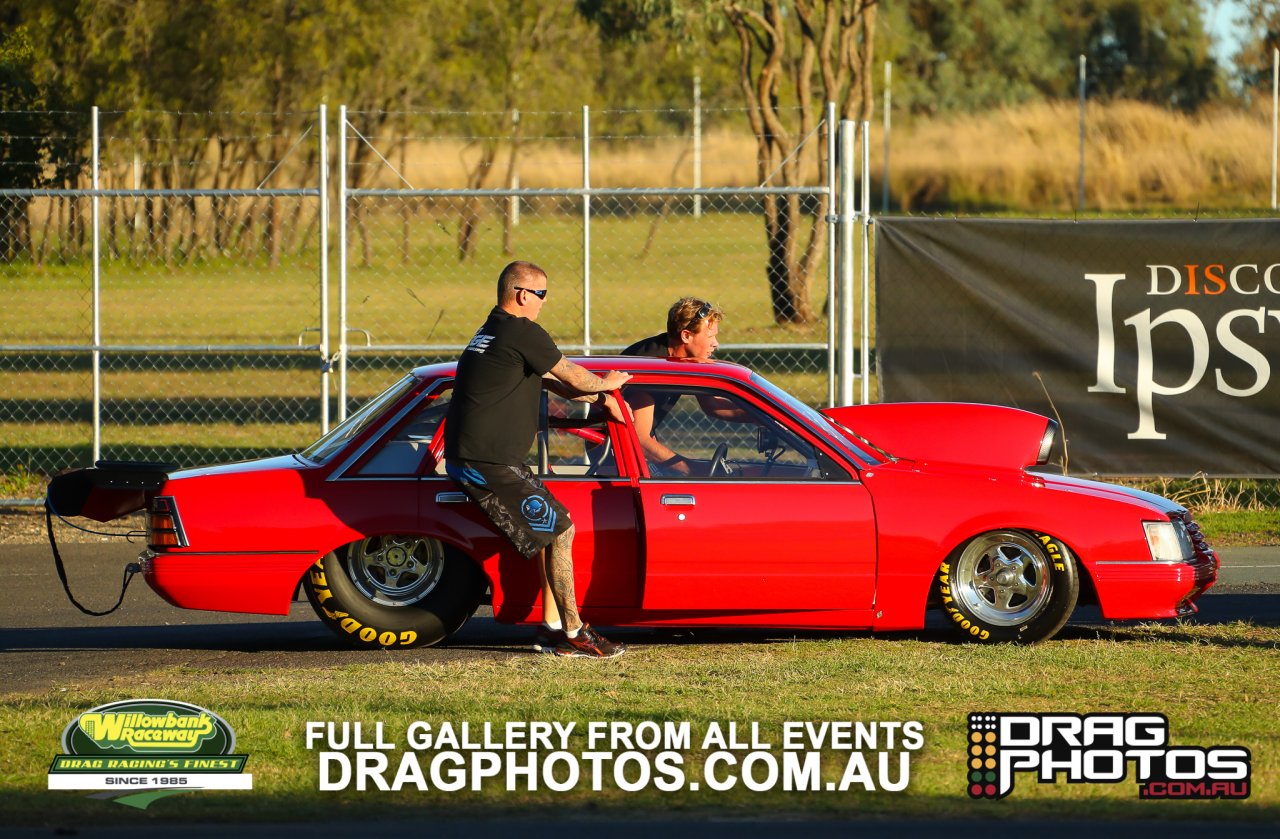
[
  {"x": 692, "y": 327},
  {"x": 490, "y": 426}
]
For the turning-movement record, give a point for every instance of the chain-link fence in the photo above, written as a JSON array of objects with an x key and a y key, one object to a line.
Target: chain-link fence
[
  {"x": 162, "y": 293},
  {"x": 167, "y": 298},
  {"x": 575, "y": 193}
]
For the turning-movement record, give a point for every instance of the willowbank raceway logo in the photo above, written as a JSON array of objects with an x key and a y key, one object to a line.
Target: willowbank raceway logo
[
  {"x": 139, "y": 750},
  {"x": 1099, "y": 749}
]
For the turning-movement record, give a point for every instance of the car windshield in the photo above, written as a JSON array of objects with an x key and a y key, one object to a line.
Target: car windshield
[
  {"x": 815, "y": 419},
  {"x": 324, "y": 448}
]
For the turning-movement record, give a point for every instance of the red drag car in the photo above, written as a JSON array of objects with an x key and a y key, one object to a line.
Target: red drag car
[{"x": 847, "y": 518}]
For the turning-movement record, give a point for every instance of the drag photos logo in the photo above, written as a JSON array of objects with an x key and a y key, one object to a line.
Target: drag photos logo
[
  {"x": 139, "y": 750},
  {"x": 1099, "y": 749}
]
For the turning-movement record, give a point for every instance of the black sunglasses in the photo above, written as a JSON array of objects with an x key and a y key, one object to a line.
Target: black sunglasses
[
  {"x": 703, "y": 311},
  {"x": 540, "y": 293}
]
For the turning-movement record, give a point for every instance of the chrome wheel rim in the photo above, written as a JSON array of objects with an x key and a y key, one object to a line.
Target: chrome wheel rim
[
  {"x": 1002, "y": 578},
  {"x": 395, "y": 570}
]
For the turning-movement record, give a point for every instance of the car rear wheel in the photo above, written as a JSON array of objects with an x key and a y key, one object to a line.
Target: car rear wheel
[
  {"x": 394, "y": 591},
  {"x": 1009, "y": 585}
]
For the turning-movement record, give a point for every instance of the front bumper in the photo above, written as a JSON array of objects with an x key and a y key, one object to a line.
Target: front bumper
[{"x": 1132, "y": 590}]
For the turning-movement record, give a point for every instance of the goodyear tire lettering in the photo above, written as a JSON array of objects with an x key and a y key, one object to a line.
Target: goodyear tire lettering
[
  {"x": 976, "y": 621},
  {"x": 366, "y": 623}
]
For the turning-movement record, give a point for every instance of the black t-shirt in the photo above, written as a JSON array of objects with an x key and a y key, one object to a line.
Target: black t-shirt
[
  {"x": 655, "y": 346},
  {"x": 493, "y": 415}
]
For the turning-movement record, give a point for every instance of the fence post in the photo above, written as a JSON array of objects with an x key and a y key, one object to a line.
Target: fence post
[
  {"x": 833, "y": 230},
  {"x": 888, "y": 100},
  {"x": 864, "y": 228},
  {"x": 1080, "y": 188},
  {"x": 586, "y": 230},
  {"x": 513, "y": 202},
  {"x": 96, "y": 357},
  {"x": 324, "y": 270},
  {"x": 847, "y": 218},
  {"x": 342, "y": 262},
  {"x": 1275, "y": 119},
  {"x": 697, "y": 144}
]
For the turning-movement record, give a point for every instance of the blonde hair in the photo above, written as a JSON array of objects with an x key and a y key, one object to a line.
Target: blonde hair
[{"x": 684, "y": 314}]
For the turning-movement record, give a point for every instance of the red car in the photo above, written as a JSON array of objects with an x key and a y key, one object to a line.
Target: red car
[{"x": 846, "y": 518}]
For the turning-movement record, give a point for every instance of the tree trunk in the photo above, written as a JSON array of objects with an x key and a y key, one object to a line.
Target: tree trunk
[
  {"x": 469, "y": 214},
  {"x": 835, "y": 46}
]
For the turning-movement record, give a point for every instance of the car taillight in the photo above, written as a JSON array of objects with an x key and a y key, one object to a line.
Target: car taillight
[{"x": 164, "y": 527}]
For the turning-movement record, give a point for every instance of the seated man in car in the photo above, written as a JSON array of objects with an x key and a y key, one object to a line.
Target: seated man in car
[{"x": 692, "y": 329}]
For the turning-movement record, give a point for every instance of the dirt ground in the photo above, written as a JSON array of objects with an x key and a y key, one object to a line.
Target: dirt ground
[{"x": 26, "y": 526}]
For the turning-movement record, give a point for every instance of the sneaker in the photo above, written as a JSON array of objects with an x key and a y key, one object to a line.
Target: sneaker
[
  {"x": 547, "y": 640},
  {"x": 589, "y": 644}
]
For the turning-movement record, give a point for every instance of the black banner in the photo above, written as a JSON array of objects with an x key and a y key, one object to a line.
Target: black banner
[{"x": 1153, "y": 342}]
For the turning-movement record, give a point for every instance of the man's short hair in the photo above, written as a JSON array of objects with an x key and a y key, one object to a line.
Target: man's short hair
[
  {"x": 517, "y": 273},
  {"x": 691, "y": 313}
]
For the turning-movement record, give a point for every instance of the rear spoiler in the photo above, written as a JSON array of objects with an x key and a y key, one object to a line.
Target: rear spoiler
[{"x": 108, "y": 490}]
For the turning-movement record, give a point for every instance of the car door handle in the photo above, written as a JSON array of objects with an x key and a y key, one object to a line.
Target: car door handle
[
  {"x": 677, "y": 500},
  {"x": 451, "y": 497}
]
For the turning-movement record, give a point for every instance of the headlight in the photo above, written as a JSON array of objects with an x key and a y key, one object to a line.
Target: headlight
[{"x": 1168, "y": 541}]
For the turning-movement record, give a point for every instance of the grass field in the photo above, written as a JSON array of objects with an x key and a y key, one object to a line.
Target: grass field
[{"x": 1212, "y": 682}]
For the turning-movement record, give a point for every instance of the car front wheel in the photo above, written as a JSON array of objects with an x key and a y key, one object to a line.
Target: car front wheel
[
  {"x": 1009, "y": 585},
  {"x": 394, "y": 591}
]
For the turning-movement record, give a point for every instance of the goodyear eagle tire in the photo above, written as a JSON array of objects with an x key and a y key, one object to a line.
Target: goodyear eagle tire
[
  {"x": 1009, "y": 586},
  {"x": 394, "y": 591}
]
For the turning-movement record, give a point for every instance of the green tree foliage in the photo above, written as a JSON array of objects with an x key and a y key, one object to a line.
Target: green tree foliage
[
  {"x": 39, "y": 140},
  {"x": 1255, "y": 61},
  {"x": 963, "y": 55},
  {"x": 1152, "y": 52}
]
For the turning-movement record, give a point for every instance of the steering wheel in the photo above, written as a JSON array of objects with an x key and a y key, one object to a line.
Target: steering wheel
[
  {"x": 720, "y": 461},
  {"x": 599, "y": 460}
]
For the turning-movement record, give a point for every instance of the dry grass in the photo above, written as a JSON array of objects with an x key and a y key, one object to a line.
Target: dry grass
[
  {"x": 1025, "y": 158},
  {"x": 1136, "y": 157},
  {"x": 1204, "y": 494}
]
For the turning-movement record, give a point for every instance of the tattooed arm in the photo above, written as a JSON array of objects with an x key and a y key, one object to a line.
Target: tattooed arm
[
  {"x": 582, "y": 381},
  {"x": 575, "y": 382}
]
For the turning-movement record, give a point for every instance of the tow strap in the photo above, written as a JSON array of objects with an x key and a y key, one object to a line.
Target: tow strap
[{"x": 129, "y": 570}]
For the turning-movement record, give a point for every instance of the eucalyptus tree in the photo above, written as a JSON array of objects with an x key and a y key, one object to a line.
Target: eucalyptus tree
[
  {"x": 792, "y": 58},
  {"x": 1260, "y": 22}
]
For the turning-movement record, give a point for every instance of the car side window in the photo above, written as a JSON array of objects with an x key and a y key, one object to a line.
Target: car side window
[
  {"x": 572, "y": 441},
  {"x": 714, "y": 434},
  {"x": 400, "y": 454}
]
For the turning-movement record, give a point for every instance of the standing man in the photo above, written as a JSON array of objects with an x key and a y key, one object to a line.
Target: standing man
[{"x": 492, "y": 421}]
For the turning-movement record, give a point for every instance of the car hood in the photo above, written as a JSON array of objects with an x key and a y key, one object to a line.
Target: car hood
[
  {"x": 951, "y": 432},
  {"x": 1105, "y": 490}
]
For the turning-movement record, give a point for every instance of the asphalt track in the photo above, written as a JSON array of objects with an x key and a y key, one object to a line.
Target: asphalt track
[{"x": 47, "y": 644}]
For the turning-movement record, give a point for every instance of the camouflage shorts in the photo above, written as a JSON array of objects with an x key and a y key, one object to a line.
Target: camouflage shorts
[{"x": 515, "y": 501}]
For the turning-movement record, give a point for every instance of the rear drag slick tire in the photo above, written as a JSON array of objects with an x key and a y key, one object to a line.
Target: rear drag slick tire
[{"x": 394, "y": 591}]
